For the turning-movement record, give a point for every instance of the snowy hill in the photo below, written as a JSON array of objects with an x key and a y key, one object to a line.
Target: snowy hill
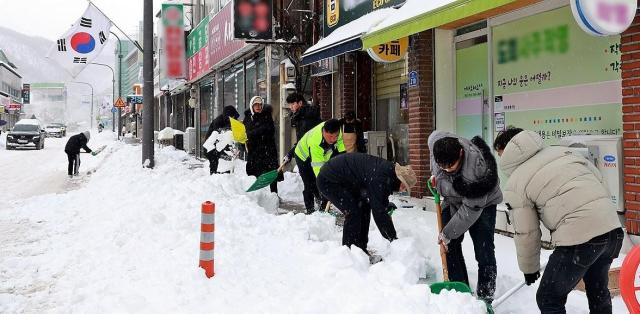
[{"x": 28, "y": 53}]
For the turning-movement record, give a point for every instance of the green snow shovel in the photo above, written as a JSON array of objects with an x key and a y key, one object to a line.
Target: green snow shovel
[
  {"x": 437, "y": 287},
  {"x": 265, "y": 179}
]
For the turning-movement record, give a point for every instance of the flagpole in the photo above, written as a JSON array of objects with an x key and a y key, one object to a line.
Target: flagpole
[{"x": 116, "y": 25}]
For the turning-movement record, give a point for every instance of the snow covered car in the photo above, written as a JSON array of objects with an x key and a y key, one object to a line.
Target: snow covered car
[
  {"x": 53, "y": 130},
  {"x": 26, "y": 133}
]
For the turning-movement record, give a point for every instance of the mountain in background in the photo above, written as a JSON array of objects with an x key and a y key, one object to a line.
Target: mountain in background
[{"x": 28, "y": 53}]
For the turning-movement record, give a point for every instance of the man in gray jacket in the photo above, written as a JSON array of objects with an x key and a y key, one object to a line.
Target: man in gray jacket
[
  {"x": 467, "y": 177},
  {"x": 567, "y": 193}
]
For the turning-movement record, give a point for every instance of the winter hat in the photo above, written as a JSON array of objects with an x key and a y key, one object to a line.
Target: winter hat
[
  {"x": 87, "y": 135},
  {"x": 406, "y": 175},
  {"x": 255, "y": 99}
]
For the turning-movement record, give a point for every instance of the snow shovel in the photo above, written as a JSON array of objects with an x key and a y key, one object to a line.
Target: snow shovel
[
  {"x": 436, "y": 287},
  {"x": 512, "y": 291},
  {"x": 458, "y": 286},
  {"x": 97, "y": 150},
  {"x": 265, "y": 179}
]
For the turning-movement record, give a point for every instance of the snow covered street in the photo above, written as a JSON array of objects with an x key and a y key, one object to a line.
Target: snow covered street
[{"x": 125, "y": 239}]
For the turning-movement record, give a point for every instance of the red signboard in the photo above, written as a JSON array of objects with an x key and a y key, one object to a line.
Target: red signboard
[
  {"x": 221, "y": 42},
  {"x": 13, "y": 107},
  {"x": 199, "y": 63}
]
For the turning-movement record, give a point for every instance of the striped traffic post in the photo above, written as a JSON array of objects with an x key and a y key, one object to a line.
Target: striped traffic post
[{"x": 207, "y": 227}]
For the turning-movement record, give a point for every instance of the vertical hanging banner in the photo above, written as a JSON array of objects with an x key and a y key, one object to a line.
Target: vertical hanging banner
[
  {"x": 198, "y": 50},
  {"x": 252, "y": 19},
  {"x": 26, "y": 94},
  {"x": 173, "y": 25},
  {"x": 82, "y": 42}
]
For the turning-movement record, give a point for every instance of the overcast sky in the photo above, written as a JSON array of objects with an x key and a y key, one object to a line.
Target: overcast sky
[{"x": 51, "y": 18}]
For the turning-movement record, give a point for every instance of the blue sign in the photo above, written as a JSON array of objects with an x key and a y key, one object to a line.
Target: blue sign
[
  {"x": 609, "y": 158},
  {"x": 413, "y": 79},
  {"x": 114, "y": 110}
]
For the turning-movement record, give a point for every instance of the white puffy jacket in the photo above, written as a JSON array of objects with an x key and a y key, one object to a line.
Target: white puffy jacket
[{"x": 551, "y": 184}]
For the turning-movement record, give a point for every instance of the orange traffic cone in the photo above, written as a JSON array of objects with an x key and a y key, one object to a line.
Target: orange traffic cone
[{"x": 207, "y": 227}]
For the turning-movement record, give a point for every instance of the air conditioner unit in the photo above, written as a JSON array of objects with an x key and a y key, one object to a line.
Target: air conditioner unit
[{"x": 190, "y": 140}]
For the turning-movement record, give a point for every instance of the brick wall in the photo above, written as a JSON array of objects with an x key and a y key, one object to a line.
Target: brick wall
[
  {"x": 421, "y": 108},
  {"x": 322, "y": 95},
  {"x": 347, "y": 82},
  {"x": 630, "y": 41}
]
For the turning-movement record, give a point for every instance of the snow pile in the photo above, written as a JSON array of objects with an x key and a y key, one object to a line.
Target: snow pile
[
  {"x": 127, "y": 241},
  {"x": 166, "y": 134},
  {"x": 218, "y": 141}
]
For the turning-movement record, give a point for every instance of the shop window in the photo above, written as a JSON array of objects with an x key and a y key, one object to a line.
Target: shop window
[
  {"x": 391, "y": 115},
  {"x": 251, "y": 80}
]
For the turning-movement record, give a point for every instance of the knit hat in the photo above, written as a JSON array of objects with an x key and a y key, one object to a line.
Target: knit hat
[
  {"x": 87, "y": 135},
  {"x": 255, "y": 99},
  {"x": 406, "y": 175}
]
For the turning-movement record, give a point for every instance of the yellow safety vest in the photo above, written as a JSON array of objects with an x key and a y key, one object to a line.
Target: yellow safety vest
[{"x": 309, "y": 147}]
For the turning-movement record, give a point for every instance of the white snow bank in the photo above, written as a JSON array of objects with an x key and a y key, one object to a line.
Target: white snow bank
[
  {"x": 128, "y": 241},
  {"x": 166, "y": 134}
]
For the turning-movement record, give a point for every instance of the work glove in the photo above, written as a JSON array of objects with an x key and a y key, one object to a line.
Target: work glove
[
  {"x": 391, "y": 208},
  {"x": 442, "y": 240},
  {"x": 531, "y": 278},
  {"x": 285, "y": 159},
  {"x": 93, "y": 153}
]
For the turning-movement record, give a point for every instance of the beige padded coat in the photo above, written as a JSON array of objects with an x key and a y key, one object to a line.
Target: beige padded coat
[{"x": 551, "y": 184}]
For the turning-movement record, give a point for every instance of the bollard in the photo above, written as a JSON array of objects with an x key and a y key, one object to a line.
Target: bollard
[{"x": 207, "y": 227}]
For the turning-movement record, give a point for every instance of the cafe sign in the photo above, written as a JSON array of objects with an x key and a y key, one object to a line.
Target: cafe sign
[
  {"x": 389, "y": 52},
  {"x": 604, "y": 17}
]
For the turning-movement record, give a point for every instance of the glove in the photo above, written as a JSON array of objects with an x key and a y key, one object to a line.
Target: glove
[
  {"x": 391, "y": 208},
  {"x": 442, "y": 240},
  {"x": 285, "y": 159},
  {"x": 93, "y": 153},
  {"x": 531, "y": 278}
]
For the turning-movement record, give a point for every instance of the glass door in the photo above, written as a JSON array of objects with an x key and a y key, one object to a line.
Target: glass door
[{"x": 472, "y": 88}]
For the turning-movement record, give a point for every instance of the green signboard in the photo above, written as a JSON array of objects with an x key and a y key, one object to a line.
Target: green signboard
[
  {"x": 172, "y": 14},
  {"x": 553, "y": 78},
  {"x": 198, "y": 38},
  {"x": 340, "y": 12}
]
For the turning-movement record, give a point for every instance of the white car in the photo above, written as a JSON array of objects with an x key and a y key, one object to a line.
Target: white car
[{"x": 53, "y": 130}]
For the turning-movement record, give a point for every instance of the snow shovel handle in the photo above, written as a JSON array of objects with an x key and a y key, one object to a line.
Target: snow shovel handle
[
  {"x": 513, "y": 290},
  {"x": 443, "y": 251}
]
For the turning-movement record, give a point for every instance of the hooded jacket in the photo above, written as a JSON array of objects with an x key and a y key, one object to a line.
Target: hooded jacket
[
  {"x": 303, "y": 120},
  {"x": 551, "y": 184},
  {"x": 371, "y": 177},
  {"x": 262, "y": 155},
  {"x": 469, "y": 190},
  {"x": 76, "y": 142}
]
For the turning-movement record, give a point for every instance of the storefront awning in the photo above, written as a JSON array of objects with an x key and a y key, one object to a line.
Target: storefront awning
[
  {"x": 346, "y": 38},
  {"x": 418, "y": 15}
]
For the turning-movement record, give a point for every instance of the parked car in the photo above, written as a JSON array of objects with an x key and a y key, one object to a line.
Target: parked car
[
  {"x": 26, "y": 133},
  {"x": 53, "y": 130}
]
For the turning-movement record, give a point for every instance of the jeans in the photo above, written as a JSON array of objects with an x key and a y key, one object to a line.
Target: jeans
[
  {"x": 74, "y": 164},
  {"x": 589, "y": 261},
  {"x": 357, "y": 213},
  {"x": 481, "y": 233}
]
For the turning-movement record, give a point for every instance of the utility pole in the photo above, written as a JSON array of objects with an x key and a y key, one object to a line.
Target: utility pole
[
  {"x": 119, "y": 82},
  {"x": 147, "y": 88}
]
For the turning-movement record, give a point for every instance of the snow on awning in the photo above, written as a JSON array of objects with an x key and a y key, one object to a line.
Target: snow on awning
[
  {"x": 418, "y": 15},
  {"x": 345, "y": 38}
]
